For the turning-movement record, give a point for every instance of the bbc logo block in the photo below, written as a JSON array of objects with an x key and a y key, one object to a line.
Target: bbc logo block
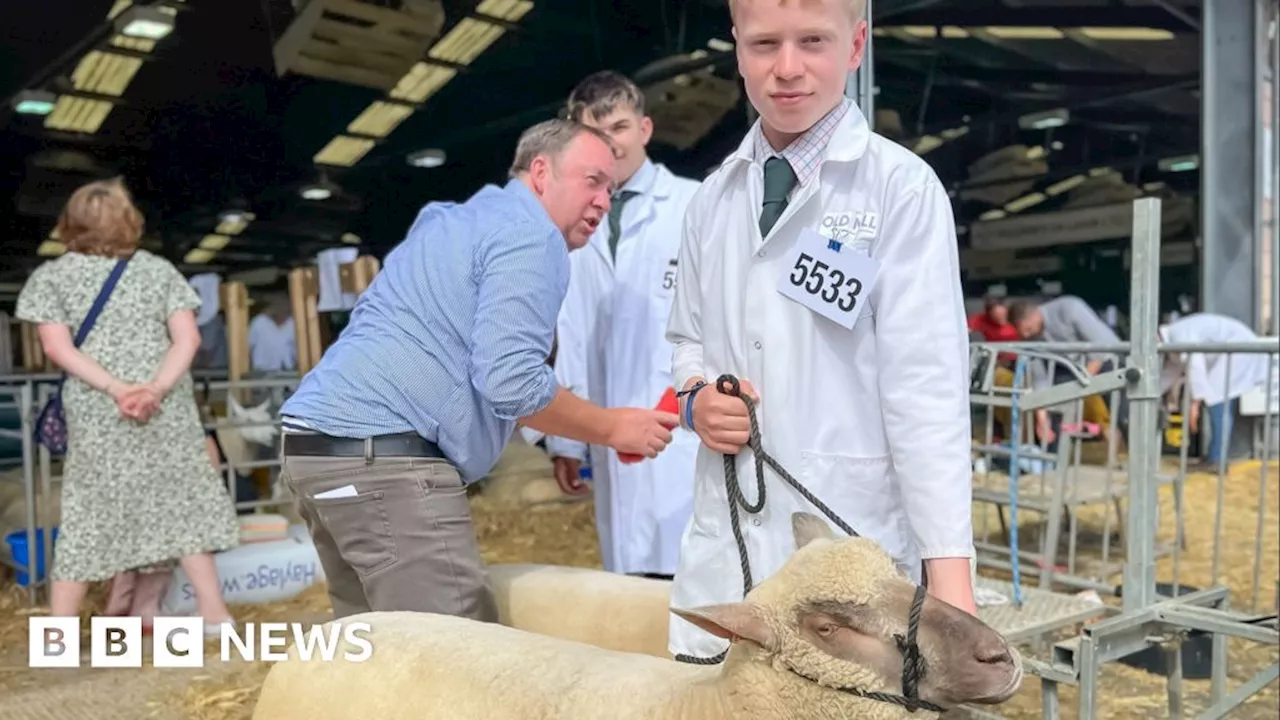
[{"x": 179, "y": 642}]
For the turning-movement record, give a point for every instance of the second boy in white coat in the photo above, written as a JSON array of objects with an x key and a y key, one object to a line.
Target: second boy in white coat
[{"x": 612, "y": 347}]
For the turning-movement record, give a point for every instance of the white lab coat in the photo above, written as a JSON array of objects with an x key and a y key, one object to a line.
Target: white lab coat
[
  {"x": 874, "y": 421},
  {"x": 612, "y": 350},
  {"x": 1206, "y": 373}
]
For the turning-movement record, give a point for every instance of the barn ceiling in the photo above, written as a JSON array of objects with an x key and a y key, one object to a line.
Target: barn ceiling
[{"x": 232, "y": 127}]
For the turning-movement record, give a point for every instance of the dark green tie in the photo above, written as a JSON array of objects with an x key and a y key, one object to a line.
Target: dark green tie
[
  {"x": 779, "y": 179},
  {"x": 615, "y": 218}
]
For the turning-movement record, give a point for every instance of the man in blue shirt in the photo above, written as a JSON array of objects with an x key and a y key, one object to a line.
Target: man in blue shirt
[{"x": 445, "y": 353}]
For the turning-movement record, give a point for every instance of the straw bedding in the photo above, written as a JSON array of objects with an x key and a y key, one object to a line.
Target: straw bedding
[{"x": 563, "y": 533}]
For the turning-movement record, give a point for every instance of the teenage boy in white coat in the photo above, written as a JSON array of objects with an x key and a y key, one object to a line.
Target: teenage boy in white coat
[
  {"x": 819, "y": 266},
  {"x": 612, "y": 347}
]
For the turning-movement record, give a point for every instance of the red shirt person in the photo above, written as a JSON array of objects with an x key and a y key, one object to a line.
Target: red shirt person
[{"x": 993, "y": 323}]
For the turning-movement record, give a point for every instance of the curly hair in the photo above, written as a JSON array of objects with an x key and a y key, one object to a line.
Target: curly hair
[{"x": 101, "y": 219}]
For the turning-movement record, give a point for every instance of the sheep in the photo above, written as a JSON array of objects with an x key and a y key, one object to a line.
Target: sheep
[
  {"x": 801, "y": 642},
  {"x": 533, "y": 597}
]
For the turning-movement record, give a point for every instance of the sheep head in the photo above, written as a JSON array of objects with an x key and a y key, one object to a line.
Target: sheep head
[
  {"x": 835, "y": 613},
  {"x": 259, "y": 434}
]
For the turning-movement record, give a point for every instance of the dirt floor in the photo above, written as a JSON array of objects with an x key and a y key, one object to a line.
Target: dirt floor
[{"x": 564, "y": 534}]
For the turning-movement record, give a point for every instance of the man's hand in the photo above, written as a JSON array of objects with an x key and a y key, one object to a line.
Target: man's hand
[
  {"x": 721, "y": 420},
  {"x": 1193, "y": 416},
  {"x": 566, "y": 470},
  {"x": 642, "y": 432}
]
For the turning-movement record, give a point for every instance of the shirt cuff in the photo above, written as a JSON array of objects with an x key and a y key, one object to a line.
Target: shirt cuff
[{"x": 564, "y": 447}]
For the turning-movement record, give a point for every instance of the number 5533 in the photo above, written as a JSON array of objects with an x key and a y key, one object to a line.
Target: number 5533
[{"x": 826, "y": 282}]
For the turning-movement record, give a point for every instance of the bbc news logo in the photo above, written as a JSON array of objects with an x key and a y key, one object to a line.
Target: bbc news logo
[{"x": 179, "y": 642}]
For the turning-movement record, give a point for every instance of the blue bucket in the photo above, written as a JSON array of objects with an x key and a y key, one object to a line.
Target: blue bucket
[{"x": 17, "y": 542}]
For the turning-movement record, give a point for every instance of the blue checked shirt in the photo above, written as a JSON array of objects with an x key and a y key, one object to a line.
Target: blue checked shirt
[{"x": 452, "y": 337}]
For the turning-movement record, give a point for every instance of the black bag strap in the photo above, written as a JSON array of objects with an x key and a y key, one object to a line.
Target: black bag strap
[{"x": 101, "y": 301}]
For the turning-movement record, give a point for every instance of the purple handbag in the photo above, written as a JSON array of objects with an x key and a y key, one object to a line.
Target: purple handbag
[{"x": 51, "y": 425}]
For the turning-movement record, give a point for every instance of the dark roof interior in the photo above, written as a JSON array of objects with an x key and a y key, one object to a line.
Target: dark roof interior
[{"x": 205, "y": 123}]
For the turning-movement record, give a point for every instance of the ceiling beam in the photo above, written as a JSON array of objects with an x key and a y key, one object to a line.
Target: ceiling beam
[
  {"x": 960, "y": 15},
  {"x": 951, "y": 74}
]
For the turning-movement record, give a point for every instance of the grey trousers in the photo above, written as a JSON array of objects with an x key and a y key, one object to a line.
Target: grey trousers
[{"x": 405, "y": 541}]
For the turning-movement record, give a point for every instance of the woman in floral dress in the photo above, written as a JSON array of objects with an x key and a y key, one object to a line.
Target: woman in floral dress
[{"x": 138, "y": 488}]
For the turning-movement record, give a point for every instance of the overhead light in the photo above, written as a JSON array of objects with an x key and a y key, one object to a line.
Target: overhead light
[
  {"x": 198, "y": 256},
  {"x": 995, "y": 214},
  {"x": 1044, "y": 120},
  {"x": 51, "y": 248},
  {"x": 1024, "y": 202},
  {"x": 350, "y": 238},
  {"x": 148, "y": 23},
  {"x": 34, "y": 102},
  {"x": 719, "y": 45},
  {"x": 214, "y": 242},
  {"x": 1025, "y": 33},
  {"x": 316, "y": 192},
  {"x": 1127, "y": 34},
  {"x": 1064, "y": 185},
  {"x": 1180, "y": 164},
  {"x": 429, "y": 158}
]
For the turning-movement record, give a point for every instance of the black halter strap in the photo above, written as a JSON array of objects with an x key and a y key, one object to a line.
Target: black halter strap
[{"x": 912, "y": 664}]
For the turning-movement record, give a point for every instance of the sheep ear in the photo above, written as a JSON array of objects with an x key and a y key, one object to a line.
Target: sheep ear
[
  {"x": 262, "y": 408},
  {"x": 233, "y": 407},
  {"x": 731, "y": 621},
  {"x": 808, "y": 527}
]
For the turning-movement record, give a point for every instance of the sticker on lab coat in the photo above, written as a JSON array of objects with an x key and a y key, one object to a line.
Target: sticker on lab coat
[{"x": 829, "y": 277}]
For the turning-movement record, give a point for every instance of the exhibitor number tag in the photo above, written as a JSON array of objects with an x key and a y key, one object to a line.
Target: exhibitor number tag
[{"x": 829, "y": 277}]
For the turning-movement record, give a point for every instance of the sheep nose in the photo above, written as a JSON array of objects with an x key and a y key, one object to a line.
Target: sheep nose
[{"x": 993, "y": 654}]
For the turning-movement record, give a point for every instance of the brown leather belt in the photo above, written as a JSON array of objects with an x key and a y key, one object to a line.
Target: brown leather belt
[{"x": 399, "y": 445}]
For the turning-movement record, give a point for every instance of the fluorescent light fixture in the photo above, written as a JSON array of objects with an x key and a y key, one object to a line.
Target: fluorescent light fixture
[
  {"x": 1025, "y": 33},
  {"x": 1025, "y": 202},
  {"x": 1180, "y": 164},
  {"x": 1064, "y": 185},
  {"x": 34, "y": 102},
  {"x": 719, "y": 45},
  {"x": 344, "y": 151},
  {"x": 992, "y": 214},
  {"x": 466, "y": 41},
  {"x": 214, "y": 242},
  {"x": 1044, "y": 120},
  {"x": 233, "y": 222},
  {"x": 429, "y": 158},
  {"x": 51, "y": 248},
  {"x": 149, "y": 23},
  {"x": 509, "y": 10},
  {"x": 1126, "y": 33},
  {"x": 350, "y": 238},
  {"x": 198, "y": 256}
]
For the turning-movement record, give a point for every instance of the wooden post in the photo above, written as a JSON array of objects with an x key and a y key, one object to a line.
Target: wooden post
[
  {"x": 304, "y": 290},
  {"x": 357, "y": 275},
  {"x": 33, "y": 357},
  {"x": 235, "y": 310}
]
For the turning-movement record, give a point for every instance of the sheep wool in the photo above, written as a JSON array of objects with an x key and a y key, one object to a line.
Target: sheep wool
[
  {"x": 608, "y": 610},
  {"x": 807, "y": 644}
]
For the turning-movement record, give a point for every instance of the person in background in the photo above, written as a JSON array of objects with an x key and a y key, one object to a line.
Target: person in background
[
  {"x": 994, "y": 326},
  {"x": 1206, "y": 376},
  {"x": 272, "y": 342},
  {"x": 445, "y": 355},
  {"x": 1067, "y": 319},
  {"x": 611, "y": 337},
  {"x": 139, "y": 491},
  {"x": 212, "y": 353},
  {"x": 858, "y": 358}
]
